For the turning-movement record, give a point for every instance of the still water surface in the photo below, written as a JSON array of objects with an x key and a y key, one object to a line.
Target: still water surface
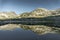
[
  {"x": 17, "y": 34},
  {"x": 20, "y": 34}
]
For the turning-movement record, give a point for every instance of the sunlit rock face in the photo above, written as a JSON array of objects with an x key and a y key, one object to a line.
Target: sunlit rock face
[
  {"x": 7, "y": 15},
  {"x": 25, "y": 14},
  {"x": 40, "y": 12},
  {"x": 55, "y": 12},
  {"x": 38, "y": 29},
  {"x": 36, "y": 13}
]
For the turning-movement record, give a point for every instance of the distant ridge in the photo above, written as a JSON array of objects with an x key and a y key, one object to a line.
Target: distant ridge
[
  {"x": 40, "y": 12},
  {"x": 37, "y": 13}
]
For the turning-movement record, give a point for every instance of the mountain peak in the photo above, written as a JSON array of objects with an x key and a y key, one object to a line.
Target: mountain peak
[{"x": 40, "y": 9}]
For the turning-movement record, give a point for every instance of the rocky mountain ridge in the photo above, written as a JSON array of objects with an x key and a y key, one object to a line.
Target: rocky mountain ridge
[
  {"x": 7, "y": 15},
  {"x": 37, "y": 13},
  {"x": 40, "y": 12}
]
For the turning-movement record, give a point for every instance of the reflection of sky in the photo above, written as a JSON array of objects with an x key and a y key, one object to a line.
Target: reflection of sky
[{"x": 20, "y": 6}]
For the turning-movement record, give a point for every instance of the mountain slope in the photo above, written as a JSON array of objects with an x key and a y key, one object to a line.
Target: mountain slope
[
  {"x": 40, "y": 12},
  {"x": 7, "y": 15},
  {"x": 37, "y": 13}
]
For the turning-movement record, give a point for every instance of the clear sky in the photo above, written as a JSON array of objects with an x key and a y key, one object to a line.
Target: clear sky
[{"x": 20, "y": 6}]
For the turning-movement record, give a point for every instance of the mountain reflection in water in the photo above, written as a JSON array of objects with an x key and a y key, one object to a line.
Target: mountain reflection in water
[
  {"x": 39, "y": 29},
  {"x": 28, "y": 32}
]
